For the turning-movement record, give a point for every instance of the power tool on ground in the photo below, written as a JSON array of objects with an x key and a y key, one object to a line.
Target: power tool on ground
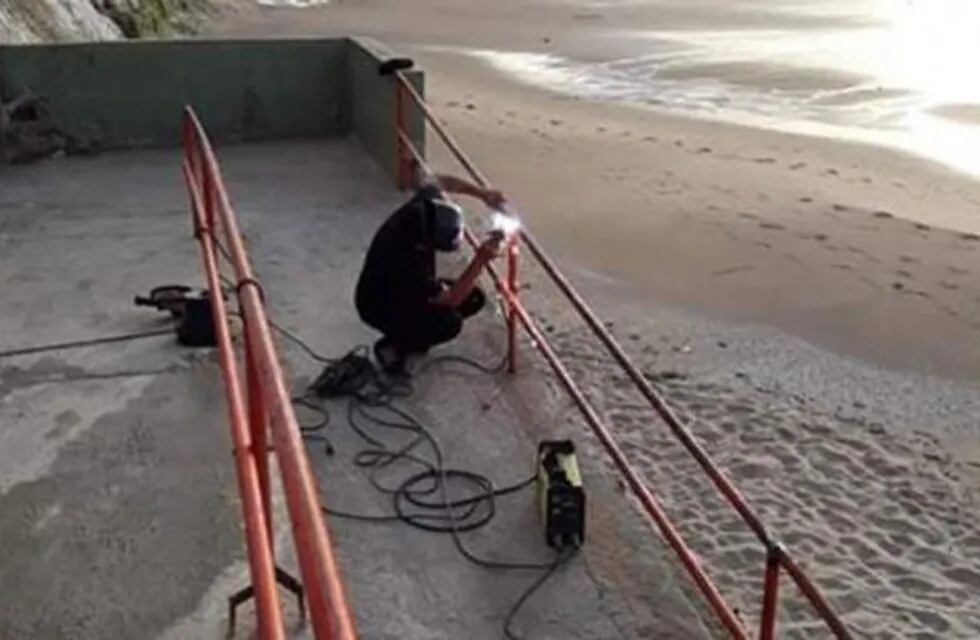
[
  {"x": 190, "y": 309},
  {"x": 560, "y": 494}
]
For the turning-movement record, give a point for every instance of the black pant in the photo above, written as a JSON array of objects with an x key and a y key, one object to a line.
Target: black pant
[{"x": 418, "y": 328}]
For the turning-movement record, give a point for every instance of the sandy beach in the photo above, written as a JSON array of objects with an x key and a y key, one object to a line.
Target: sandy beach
[{"x": 807, "y": 301}]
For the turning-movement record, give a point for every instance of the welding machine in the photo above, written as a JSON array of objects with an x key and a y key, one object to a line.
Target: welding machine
[{"x": 560, "y": 494}]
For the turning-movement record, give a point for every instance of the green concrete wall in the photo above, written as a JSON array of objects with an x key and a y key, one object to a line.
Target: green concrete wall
[
  {"x": 132, "y": 94},
  {"x": 371, "y": 103}
]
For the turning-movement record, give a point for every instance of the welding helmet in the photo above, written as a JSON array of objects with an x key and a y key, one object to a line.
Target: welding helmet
[{"x": 444, "y": 224}]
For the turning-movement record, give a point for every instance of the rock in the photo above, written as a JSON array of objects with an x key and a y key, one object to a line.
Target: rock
[
  {"x": 54, "y": 20},
  {"x": 28, "y": 131},
  {"x": 663, "y": 376},
  {"x": 26, "y": 21},
  {"x": 150, "y": 18}
]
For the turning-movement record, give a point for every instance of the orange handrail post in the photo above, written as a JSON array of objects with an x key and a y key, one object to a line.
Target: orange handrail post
[
  {"x": 512, "y": 284},
  {"x": 770, "y": 594}
]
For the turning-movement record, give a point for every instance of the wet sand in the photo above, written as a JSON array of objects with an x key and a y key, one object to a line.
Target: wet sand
[
  {"x": 821, "y": 239},
  {"x": 807, "y": 302}
]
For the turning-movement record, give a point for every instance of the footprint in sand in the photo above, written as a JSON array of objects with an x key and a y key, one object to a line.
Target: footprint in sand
[
  {"x": 841, "y": 207},
  {"x": 972, "y": 237},
  {"x": 651, "y": 139},
  {"x": 773, "y": 226},
  {"x": 600, "y": 129},
  {"x": 949, "y": 286},
  {"x": 883, "y": 214},
  {"x": 903, "y": 273},
  {"x": 958, "y": 271},
  {"x": 797, "y": 165},
  {"x": 911, "y": 292},
  {"x": 866, "y": 180},
  {"x": 746, "y": 214},
  {"x": 806, "y": 199},
  {"x": 764, "y": 160},
  {"x": 819, "y": 237},
  {"x": 554, "y": 123},
  {"x": 842, "y": 266},
  {"x": 831, "y": 172},
  {"x": 679, "y": 143},
  {"x": 907, "y": 259},
  {"x": 951, "y": 312},
  {"x": 452, "y": 104},
  {"x": 703, "y": 150},
  {"x": 921, "y": 226}
]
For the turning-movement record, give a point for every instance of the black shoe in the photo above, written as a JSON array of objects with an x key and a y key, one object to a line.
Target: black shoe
[{"x": 390, "y": 358}]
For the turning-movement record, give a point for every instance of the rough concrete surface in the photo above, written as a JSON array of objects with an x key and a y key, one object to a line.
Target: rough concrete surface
[
  {"x": 98, "y": 447},
  {"x": 118, "y": 508}
]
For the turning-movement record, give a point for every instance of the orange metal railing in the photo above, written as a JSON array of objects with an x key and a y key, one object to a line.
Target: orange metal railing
[
  {"x": 777, "y": 557},
  {"x": 268, "y": 410}
]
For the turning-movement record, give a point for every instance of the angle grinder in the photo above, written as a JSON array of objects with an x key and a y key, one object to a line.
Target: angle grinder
[{"x": 191, "y": 311}]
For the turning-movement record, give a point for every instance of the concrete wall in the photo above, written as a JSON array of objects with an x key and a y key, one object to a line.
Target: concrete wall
[
  {"x": 371, "y": 103},
  {"x": 131, "y": 94}
]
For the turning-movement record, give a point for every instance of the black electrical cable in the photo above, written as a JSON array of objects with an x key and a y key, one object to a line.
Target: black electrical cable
[
  {"x": 78, "y": 344},
  {"x": 295, "y": 339},
  {"x": 356, "y": 378},
  {"x": 422, "y": 500},
  {"x": 562, "y": 558}
]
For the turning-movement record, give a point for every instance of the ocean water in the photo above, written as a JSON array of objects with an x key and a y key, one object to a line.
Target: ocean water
[{"x": 903, "y": 73}]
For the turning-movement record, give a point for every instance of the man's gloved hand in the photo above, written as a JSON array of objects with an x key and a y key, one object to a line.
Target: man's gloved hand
[{"x": 490, "y": 248}]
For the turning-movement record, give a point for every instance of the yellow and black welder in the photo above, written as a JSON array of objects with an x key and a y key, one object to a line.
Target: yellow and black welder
[{"x": 560, "y": 494}]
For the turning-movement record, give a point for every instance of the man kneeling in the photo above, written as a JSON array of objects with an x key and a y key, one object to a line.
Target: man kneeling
[{"x": 399, "y": 293}]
